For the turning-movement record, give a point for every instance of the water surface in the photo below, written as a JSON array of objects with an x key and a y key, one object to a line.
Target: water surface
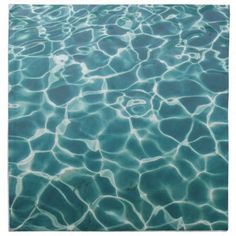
[{"x": 118, "y": 117}]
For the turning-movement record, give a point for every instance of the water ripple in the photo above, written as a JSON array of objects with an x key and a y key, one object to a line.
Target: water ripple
[{"x": 118, "y": 117}]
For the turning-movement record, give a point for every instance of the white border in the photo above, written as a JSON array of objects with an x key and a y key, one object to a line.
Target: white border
[{"x": 4, "y": 118}]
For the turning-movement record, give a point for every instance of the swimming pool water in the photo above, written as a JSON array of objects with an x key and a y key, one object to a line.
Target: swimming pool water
[{"x": 118, "y": 117}]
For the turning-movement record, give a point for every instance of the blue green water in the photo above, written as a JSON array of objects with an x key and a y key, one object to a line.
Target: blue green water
[{"x": 118, "y": 117}]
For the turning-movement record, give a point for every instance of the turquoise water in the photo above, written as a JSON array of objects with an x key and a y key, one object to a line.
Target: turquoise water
[{"x": 118, "y": 117}]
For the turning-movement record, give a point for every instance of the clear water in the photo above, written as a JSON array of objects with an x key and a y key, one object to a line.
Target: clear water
[{"x": 118, "y": 117}]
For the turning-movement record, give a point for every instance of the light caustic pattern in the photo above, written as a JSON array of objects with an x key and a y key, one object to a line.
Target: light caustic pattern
[{"x": 118, "y": 117}]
